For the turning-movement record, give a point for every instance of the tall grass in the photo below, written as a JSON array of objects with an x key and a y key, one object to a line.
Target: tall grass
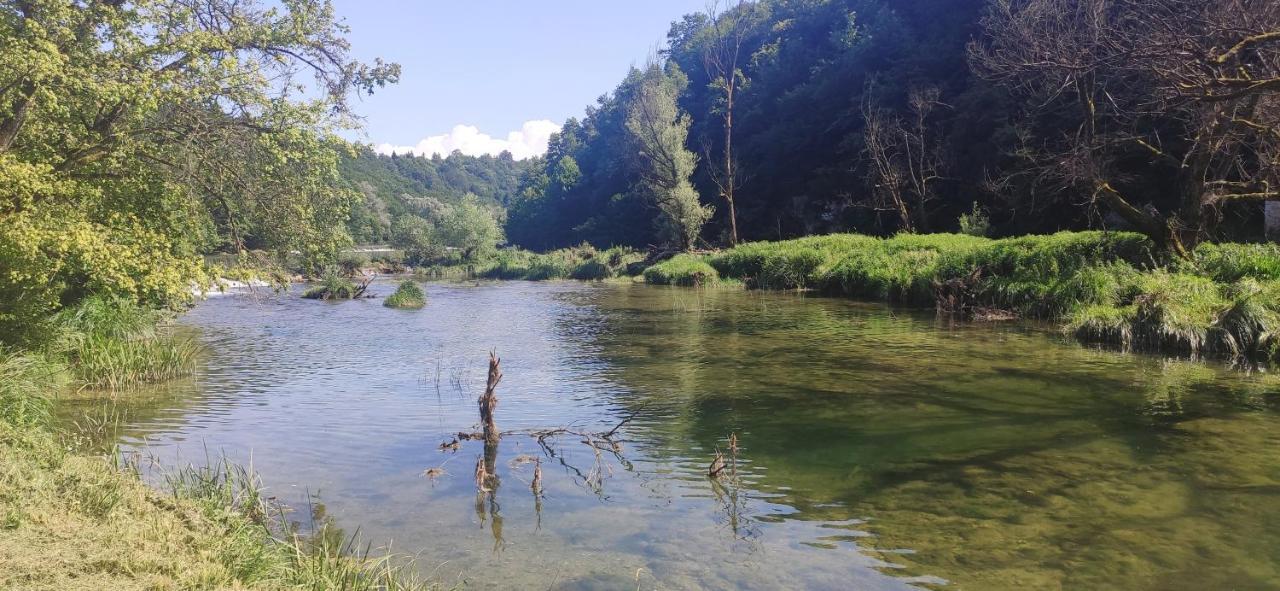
[
  {"x": 266, "y": 546},
  {"x": 1101, "y": 286},
  {"x": 582, "y": 262},
  {"x": 114, "y": 343},
  {"x": 408, "y": 296},
  {"x": 26, "y": 382}
]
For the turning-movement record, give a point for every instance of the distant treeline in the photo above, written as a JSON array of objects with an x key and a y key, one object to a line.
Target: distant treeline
[{"x": 406, "y": 185}]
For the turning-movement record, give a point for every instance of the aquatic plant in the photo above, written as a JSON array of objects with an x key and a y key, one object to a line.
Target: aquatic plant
[
  {"x": 333, "y": 286},
  {"x": 111, "y": 342},
  {"x": 407, "y": 296}
]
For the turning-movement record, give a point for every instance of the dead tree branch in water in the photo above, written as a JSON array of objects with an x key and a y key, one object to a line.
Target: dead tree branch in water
[{"x": 489, "y": 401}]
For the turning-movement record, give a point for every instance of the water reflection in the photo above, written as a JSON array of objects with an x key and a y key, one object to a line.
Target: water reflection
[{"x": 876, "y": 450}]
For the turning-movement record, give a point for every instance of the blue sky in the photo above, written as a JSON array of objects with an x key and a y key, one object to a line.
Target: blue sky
[{"x": 497, "y": 66}]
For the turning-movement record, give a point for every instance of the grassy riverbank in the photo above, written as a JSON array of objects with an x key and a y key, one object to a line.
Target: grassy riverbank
[
  {"x": 1102, "y": 287},
  {"x": 74, "y": 519}
]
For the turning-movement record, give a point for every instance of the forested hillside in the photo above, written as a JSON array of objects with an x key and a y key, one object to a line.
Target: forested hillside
[
  {"x": 399, "y": 185},
  {"x": 882, "y": 116}
]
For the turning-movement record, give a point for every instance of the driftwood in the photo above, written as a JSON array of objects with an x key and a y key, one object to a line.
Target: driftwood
[
  {"x": 960, "y": 296},
  {"x": 489, "y": 401}
]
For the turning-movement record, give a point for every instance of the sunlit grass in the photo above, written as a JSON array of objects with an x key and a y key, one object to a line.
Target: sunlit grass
[
  {"x": 408, "y": 296},
  {"x": 1111, "y": 287}
]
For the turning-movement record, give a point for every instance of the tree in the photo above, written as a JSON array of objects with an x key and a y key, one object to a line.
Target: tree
[
  {"x": 417, "y": 238},
  {"x": 470, "y": 227},
  {"x": 658, "y": 132},
  {"x": 1182, "y": 96},
  {"x": 721, "y": 56},
  {"x": 134, "y": 136},
  {"x": 906, "y": 159}
]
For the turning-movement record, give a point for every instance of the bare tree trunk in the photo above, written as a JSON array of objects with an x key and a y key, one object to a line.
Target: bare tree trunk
[
  {"x": 1271, "y": 224},
  {"x": 729, "y": 172},
  {"x": 720, "y": 58},
  {"x": 489, "y": 401}
]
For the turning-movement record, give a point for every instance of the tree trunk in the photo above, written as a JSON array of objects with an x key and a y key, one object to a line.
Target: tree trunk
[
  {"x": 1271, "y": 214},
  {"x": 730, "y": 181}
]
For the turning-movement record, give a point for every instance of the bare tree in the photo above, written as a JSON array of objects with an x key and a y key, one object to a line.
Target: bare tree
[
  {"x": 721, "y": 56},
  {"x": 906, "y": 158},
  {"x": 1187, "y": 90}
]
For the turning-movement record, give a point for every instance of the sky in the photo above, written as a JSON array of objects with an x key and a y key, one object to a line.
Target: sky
[{"x": 487, "y": 75}]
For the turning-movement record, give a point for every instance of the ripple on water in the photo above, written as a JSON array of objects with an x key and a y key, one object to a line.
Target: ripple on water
[{"x": 878, "y": 450}]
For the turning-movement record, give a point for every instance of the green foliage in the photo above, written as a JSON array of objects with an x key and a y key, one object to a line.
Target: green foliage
[
  {"x": 163, "y": 135},
  {"x": 351, "y": 263},
  {"x": 470, "y": 227},
  {"x": 332, "y": 285},
  {"x": 683, "y": 269},
  {"x": 1232, "y": 262},
  {"x": 408, "y": 296},
  {"x": 976, "y": 222},
  {"x": 660, "y": 131},
  {"x": 583, "y": 262},
  {"x": 394, "y": 186},
  {"x": 111, "y": 342},
  {"x": 26, "y": 382}
]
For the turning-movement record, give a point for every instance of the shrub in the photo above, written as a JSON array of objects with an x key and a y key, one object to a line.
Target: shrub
[
  {"x": 351, "y": 263},
  {"x": 976, "y": 222},
  {"x": 332, "y": 286},
  {"x": 408, "y": 297}
]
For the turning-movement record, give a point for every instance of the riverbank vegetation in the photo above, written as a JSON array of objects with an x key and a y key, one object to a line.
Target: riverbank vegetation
[
  {"x": 71, "y": 518},
  {"x": 134, "y": 139},
  {"x": 1117, "y": 288}
]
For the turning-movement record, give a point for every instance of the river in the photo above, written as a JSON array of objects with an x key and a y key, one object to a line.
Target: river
[{"x": 878, "y": 448}]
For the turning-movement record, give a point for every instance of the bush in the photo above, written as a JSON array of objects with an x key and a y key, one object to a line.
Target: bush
[
  {"x": 976, "y": 222},
  {"x": 351, "y": 263},
  {"x": 407, "y": 297},
  {"x": 332, "y": 286}
]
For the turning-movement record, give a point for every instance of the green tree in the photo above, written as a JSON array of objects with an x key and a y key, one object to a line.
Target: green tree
[
  {"x": 134, "y": 136},
  {"x": 659, "y": 131},
  {"x": 471, "y": 228},
  {"x": 417, "y": 238}
]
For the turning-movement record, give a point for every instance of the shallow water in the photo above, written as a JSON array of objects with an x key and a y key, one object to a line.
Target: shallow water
[{"x": 879, "y": 449}]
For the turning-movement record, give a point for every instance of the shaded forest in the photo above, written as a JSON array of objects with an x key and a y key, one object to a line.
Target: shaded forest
[{"x": 879, "y": 117}]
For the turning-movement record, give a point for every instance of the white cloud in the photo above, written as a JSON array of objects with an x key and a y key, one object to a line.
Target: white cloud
[{"x": 529, "y": 141}]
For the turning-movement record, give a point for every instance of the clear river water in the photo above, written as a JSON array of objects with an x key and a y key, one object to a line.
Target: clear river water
[{"x": 878, "y": 448}]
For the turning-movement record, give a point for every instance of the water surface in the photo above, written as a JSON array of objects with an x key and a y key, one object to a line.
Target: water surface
[{"x": 879, "y": 449}]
